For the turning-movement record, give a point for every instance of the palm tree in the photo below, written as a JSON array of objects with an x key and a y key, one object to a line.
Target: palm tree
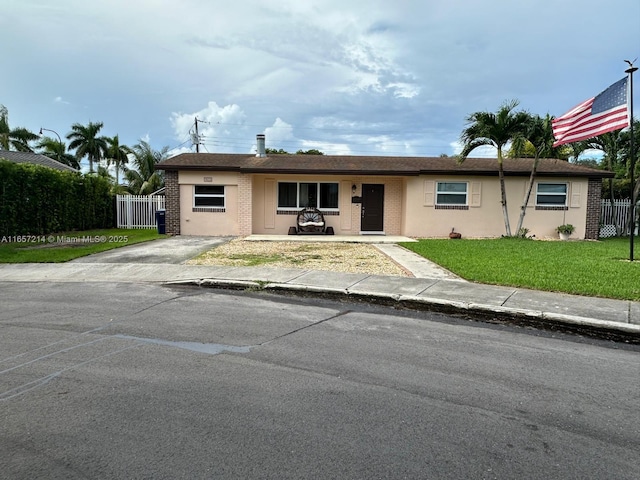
[
  {"x": 86, "y": 143},
  {"x": 117, "y": 155},
  {"x": 57, "y": 150},
  {"x": 495, "y": 129},
  {"x": 145, "y": 179},
  {"x": 18, "y": 138},
  {"x": 539, "y": 136}
]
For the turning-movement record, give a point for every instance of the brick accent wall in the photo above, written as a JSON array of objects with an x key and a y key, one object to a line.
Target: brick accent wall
[
  {"x": 594, "y": 194},
  {"x": 172, "y": 202},
  {"x": 245, "y": 202}
]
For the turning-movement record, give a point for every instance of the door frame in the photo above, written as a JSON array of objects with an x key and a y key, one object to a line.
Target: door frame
[{"x": 377, "y": 199}]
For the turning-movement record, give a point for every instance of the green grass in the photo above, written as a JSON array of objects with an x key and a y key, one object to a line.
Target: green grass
[
  {"x": 62, "y": 247},
  {"x": 599, "y": 269},
  {"x": 253, "y": 260}
]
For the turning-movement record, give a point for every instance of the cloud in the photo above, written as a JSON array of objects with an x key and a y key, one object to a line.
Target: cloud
[
  {"x": 361, "y": 77},
  {"x": 279, "y": 133},
  {"x": 220, "y": 129}
]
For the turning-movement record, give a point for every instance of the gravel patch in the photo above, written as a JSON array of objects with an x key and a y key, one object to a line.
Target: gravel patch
[{"x": 334, "y": 256}]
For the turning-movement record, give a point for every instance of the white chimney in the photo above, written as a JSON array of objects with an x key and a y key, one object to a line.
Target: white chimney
[{"x": 261, "y": 150}]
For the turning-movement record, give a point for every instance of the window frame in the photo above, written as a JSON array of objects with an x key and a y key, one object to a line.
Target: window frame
[
  {"x": 538, "y": 194},
  {"x": 222, "y": 195},
  {"x": 318, "y": 195},
  {"x": 438, "y": 193}
]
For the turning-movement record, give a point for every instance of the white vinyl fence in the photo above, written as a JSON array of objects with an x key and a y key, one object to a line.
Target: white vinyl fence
[
  {"x": 618, "y": 214},
  {"x": 138, "y": 211}
]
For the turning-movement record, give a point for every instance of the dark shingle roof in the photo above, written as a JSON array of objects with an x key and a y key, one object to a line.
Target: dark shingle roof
[
  {"x": 349, "y": 165},
  {"x": 36, "y": 159}
]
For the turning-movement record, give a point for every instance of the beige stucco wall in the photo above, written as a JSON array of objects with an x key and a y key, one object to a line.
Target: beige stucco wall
[
  {"x": 212, "y": 223},
  {"x": 267, "y": 220},
  {"x": 251, "y": 206},
  {"x": 484, "y": 216}
]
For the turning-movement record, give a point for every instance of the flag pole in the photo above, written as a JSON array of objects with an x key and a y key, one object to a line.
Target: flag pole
[{"x": 632, "y": 216}]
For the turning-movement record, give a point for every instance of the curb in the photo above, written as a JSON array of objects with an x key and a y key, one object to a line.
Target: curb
[{"x": 626, "y": 332}]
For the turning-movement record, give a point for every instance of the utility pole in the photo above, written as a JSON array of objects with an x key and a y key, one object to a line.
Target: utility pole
[{"x": 195, "y": 137}]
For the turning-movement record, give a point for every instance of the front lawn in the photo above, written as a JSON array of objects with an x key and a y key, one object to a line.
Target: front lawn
[
  {"x": 62, "y": 247},
  {"x": 599, "y": 269}
]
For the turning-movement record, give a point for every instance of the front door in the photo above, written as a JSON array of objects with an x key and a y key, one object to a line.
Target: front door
[{"x": 372, "y": 208}]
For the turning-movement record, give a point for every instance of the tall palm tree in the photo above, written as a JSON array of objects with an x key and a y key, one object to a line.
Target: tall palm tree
[
  {"x": 145, "y": 179},
  {"x": 86, "y": 143},
  {"x": 117, "y": 155},
  {"x": 57, "y": 150},
  {"x": 17, "y": 138},
  {"x": 495, "y": 129},
  {"x": 538, "y": 135}
]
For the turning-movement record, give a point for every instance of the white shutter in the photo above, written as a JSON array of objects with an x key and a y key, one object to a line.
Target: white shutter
[
  {"x": 575, "y": 194},
  {"x": 476, "y": 194},
  {"x": 429, "y": 193}
]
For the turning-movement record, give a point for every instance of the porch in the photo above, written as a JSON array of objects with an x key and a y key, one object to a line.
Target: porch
[{"x": 330, "y": 238}]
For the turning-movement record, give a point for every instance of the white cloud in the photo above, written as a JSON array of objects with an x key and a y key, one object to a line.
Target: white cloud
[
  {"x": 406, "y": 73},
  {"x": 485, "y": 151},
  {"x": 278, "y": 134},
  {"x": 220, "y": 129}
]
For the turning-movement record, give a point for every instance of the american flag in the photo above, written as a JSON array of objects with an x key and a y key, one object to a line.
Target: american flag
[{"x": 603, "y": 113}]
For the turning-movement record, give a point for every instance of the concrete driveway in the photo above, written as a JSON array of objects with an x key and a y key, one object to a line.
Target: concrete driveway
[{"x": 175, "y": 250}]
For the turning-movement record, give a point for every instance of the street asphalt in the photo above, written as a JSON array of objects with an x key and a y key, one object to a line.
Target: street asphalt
[{"x": 162, "y": 261}]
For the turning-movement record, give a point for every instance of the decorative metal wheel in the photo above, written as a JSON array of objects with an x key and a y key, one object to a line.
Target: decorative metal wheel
[
  {"x": 310, "y": 214},
  {"x": 310, "y": 220}
]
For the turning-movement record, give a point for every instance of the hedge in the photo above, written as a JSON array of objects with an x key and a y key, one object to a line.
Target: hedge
[{"x": 37, "y": 200}]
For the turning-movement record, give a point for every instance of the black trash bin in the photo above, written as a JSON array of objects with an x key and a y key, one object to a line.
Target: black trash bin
[{"x": 161, "y": 221}]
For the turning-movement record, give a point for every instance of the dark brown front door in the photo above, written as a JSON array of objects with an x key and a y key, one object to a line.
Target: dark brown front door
[{"x": 372, "y": 208}]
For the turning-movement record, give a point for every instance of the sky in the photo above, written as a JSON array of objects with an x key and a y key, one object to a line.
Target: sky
[{"x": 347, "y": 77}]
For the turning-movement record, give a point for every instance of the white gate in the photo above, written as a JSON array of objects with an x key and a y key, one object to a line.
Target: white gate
[
  {"x": 138, "y": 211},
  {"x": 618, "y": 214}
]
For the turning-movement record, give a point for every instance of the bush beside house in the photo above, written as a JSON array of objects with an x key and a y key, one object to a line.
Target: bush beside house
[{"x": 36, "y": 200}]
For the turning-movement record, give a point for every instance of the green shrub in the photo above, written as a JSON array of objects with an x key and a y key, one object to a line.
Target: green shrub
[{"x": 36, "y": 200}]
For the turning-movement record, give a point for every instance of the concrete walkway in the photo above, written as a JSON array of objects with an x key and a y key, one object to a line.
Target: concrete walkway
[{"x": 433, "y": 287}]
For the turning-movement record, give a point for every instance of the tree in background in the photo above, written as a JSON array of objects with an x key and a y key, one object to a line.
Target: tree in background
[
  {"x": 117, "y": 155},
  {"x": 273, "y": 151},
  {"x": 57, "y": 150},
  {"x": 625, "y": 152},
  {"x": 496, "y": 130},
  {"x": 610, "y": 144},
  {"x": 281, "y": 151},
  {"x": 145, "y": 179},
  {"x": 17, "y": 138},
  {"x": 86, "y": 142},
  {"x": 313, "y": 151}
]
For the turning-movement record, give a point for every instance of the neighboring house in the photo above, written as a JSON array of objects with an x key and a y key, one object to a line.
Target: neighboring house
[
  {"x": 36, "y": 159},
  {"x": 239, "y": 194}
]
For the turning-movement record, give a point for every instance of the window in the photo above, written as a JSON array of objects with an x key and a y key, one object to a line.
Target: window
[
  {"x": 306, "y": 194},
  {"x": 551, "y": 194},
  {"x": 451, "y": 193},
  {"x": 208, "y": 196}
]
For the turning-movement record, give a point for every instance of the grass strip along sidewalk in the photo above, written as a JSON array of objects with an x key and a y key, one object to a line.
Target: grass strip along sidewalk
[
  {"x": 597, "y": 269},
  {"x": 62, "y": 247}
]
